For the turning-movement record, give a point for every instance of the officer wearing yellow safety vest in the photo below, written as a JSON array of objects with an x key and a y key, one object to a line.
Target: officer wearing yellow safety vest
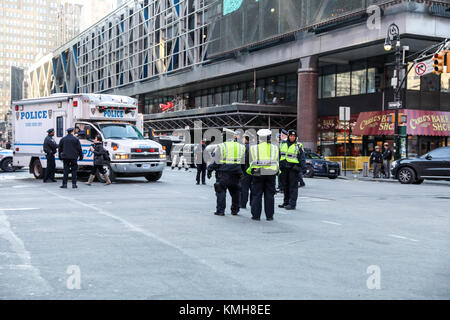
[
  {"x": 292, "y": 158},
  {"x": 228, "y": 158},
  {"x": 264, "y": 167}
]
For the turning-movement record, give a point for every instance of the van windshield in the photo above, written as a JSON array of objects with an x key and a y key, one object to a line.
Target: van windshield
[{"x": 120, "y": 131}]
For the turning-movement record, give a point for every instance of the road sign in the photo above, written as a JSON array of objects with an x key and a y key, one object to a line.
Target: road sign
[
  {"x": 395, "y": 105},
  {"x": 344, "y": 113},
  {"x": 424, "y": 67}
]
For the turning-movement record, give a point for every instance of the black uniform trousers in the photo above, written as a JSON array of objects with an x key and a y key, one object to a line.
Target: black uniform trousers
[
  {"x": 231, "y": 182},
  {"x": 290, "y": 187},
  {"x": 51, "y": 167},
  {"x": 70, "y": 166},
  {"x": 201, "y": 170},
  {"x": 300, "y": 178},
  {"x": 246, "y": 183},
  {"x": 263, "y": 185},
  {"x": 281, "y": 179}
]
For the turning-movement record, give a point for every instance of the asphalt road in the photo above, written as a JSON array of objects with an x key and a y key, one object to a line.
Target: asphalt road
[{"x": 138, "y": 240}]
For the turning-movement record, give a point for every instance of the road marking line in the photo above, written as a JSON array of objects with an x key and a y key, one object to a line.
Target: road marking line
[
  {"x": 18, "y": 209},
  {"x": 403, "y": 238},
  {"x": 331, "y": 222},
  {"x": 19, "y": 249}
]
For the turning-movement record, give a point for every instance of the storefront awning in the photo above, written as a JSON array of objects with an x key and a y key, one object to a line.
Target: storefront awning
[{"x": 418, "y": 122}]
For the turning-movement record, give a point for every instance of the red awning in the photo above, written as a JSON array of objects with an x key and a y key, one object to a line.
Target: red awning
[{"x": 419, "y": 122}]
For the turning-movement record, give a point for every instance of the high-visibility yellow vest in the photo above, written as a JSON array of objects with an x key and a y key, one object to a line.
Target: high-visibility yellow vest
[
  {"x": 232, "y": 153},
  {"x": 290, "y": 154},
  {"x": 264, "y": 158}
]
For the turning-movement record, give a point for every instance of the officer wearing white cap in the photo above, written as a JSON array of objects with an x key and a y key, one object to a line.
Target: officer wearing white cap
[
  {"x": 50, "y": 147},
  {"x": 227, "y": 163},
  {"x": 264, "y": 167}
]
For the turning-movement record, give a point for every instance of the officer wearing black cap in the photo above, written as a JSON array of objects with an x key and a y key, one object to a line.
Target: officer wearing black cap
[
  {"x": 291, "y": 159},
  {"x": 50, "y": 147},
  {"x": 70, "y": 151}
]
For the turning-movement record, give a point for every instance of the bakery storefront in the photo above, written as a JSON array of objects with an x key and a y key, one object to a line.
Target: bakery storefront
[{"x": 421, "y": 130}]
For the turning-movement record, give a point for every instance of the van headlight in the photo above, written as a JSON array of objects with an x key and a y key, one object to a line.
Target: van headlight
[
  {"x": 162, "y": 154},
  {"x": 121, "y": 156}
]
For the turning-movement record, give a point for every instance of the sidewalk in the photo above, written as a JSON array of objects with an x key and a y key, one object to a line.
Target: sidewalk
[{"x": 360, "y": 177}]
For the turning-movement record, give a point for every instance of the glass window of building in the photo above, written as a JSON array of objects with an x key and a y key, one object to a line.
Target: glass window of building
[
  {"x": 329, "y": 83},
  {"x": 445, "y": 82},
  {"x": 260, "y": 89},
  {"x": 413, "y": 80},
  {"x": 226, "y": 95},
  {"x": 430, "y": 83},
  {"x": 250, "y": 92},
  {"x": 218, "y": 96},
  {"x": 372, "y": 80},
  {"x": 234, "y": 93},
  {"x": 343, "y": 81},
  {"x": 359, "y": 78}
]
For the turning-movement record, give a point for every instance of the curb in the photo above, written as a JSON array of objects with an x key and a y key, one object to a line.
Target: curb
[{"x": 390, "y": 181}]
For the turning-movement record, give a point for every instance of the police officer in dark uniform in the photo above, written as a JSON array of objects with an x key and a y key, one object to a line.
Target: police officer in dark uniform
[
  {"x": 70, "y": 151},
  {"x": 291, "y": 160},
  {"x": 50, "y": 147},
  {"x": 246, "y": 180},
  {"x": 227, "y": 164}
]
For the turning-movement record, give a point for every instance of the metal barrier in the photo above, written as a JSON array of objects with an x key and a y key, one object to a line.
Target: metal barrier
[{"x": 355, "y": 164}]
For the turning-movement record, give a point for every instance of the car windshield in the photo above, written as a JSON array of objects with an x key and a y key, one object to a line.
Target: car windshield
[
  {"x": 120, "y": 131},
  {"x": 313, "y": 156}
]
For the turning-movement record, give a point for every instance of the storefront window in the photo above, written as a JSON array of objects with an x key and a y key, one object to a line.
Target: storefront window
[
  {"x": 291, "y": 89},
  {"x": 343, "y": 81},
  {"x": 445, "y": 82}
]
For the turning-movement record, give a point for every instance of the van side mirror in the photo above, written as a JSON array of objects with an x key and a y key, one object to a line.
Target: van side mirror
[{"x": 428, "y": 157}]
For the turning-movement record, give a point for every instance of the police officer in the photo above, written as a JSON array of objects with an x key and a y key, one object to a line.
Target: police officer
[
  {"x": 50, "y": 147},
  {"x": 264, "y": 167},
  {"x": 228, "y": 159},
  {"x": 283, "y": 138},
  {"x": 291, "y": 158},
  {"x": 69, "y": 151},
  {"x": 246, "y": 180}
]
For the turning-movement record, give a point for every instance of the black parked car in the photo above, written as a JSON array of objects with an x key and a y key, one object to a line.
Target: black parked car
[
  {"x": 318, "y": 166},
  {"x": 434, "y": 165}
]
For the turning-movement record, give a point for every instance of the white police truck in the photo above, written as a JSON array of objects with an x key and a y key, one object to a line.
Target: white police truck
[{"x": 114, "y": 118}]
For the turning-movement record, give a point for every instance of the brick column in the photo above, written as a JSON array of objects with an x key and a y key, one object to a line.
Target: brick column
[{"x": 307, "y": 102}]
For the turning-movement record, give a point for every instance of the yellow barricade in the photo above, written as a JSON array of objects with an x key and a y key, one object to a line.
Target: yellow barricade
[{"x": 353, "y": 163}]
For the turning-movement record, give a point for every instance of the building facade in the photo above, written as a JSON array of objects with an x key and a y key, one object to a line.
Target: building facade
[
  {"x": 69, "y": 21},
  {"x": 255, "y": 63}
]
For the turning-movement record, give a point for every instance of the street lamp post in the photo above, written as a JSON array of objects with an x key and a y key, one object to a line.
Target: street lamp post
[{"x": 394, "y": 35}]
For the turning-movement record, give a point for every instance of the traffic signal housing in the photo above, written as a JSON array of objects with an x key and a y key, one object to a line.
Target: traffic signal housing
[{"x": 441, "y": 62}]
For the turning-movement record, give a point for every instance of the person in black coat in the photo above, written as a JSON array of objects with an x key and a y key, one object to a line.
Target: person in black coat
[
  {"x": 246, "y": 180},
  {"x": 387, "y": 158},
  {"x": 69, "y": 152},
  {"x": 50, "y": 147},
  {"x": 99, "y": 161},
  {"x": 376, "y": 160},
  {"x": 200, "y": 162}
]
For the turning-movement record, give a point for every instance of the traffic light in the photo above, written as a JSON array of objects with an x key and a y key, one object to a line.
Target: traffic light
[{"x": 440, "y": 61}]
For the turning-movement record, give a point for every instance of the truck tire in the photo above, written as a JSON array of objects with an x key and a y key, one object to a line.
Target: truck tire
[
  {"x": 7, "y": 165},
  {"x": 109, "y": 172},
  {"x": 154, "y": 176},
  {"x": 37, "y": 170}
]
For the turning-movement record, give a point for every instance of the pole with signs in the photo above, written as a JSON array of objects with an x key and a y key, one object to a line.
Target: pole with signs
[{"x": 344, "y": 115}]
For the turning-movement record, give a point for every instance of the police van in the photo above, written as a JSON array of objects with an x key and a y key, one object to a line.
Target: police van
[{"x": 114, "y": 118}]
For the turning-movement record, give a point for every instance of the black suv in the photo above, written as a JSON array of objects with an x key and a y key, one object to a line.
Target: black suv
[{"x": 434, "y": 165}]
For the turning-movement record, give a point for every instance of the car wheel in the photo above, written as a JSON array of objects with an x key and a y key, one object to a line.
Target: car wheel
[
  {"x": 309, "y": 172},
  {"x": 7, "y": 165},
  {"x": 418, "y": 181},
  {"x": 332, "y": 177},
  {"x": 154, "y": 176},
  {"x": 37, "y": 170},
  {"x": 406, "y": 175}
]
